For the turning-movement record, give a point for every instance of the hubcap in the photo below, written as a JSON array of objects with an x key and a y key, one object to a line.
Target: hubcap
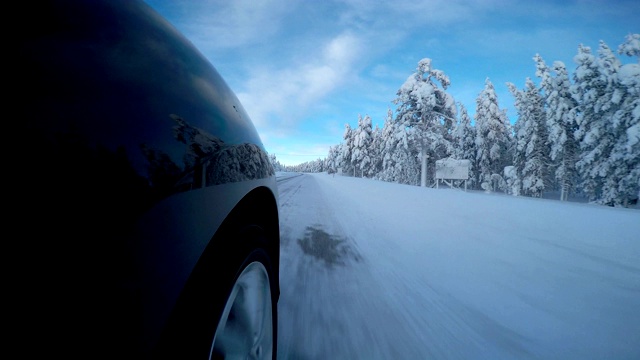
[{"x": 245, "y": 330}]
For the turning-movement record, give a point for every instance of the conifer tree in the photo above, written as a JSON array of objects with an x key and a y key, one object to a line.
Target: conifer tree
[
  {"x": 425, "y": 107},
  {"x": 492, "y": 136},
  {"x": 561, "y": 123}
]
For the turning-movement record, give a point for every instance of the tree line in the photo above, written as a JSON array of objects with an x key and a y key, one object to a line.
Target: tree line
[{"x": 575, "y": 134}]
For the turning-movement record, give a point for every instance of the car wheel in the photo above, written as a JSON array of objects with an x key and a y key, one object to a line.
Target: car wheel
[{"x": 246, "y": 329}]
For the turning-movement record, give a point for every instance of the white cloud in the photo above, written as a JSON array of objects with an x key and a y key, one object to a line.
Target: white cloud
[
  {"x": 281, "y": 97},
  {"x": 342, "y": 49},
  {"x": 234, "y": 24}
]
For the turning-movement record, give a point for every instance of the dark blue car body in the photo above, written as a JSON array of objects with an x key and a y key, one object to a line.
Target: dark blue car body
[{"x": 140, "y": 182}]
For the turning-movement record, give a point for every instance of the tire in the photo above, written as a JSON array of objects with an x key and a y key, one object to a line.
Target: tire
[
  {"x": 248, "y": 324},
  {"x": 196, "y": 329}
]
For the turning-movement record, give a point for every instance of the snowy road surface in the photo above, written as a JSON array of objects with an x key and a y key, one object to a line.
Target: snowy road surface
[{"x": 374, "y": 270}]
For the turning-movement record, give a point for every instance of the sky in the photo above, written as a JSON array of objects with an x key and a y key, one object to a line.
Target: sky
[
  {"x": 304, "y": 69},
  {"x": 422, "y": 273}
]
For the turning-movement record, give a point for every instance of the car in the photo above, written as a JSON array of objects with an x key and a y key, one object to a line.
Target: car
[{"x": 145, "y": 211}]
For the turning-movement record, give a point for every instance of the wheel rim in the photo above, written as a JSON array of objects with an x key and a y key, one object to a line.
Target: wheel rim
[{"x": 245, "y": 330}]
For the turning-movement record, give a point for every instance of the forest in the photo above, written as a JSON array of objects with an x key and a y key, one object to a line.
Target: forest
[{"x": 575, "y": 133}]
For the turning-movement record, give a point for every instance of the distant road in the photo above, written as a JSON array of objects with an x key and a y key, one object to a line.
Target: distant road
[{"x": 284, "y": 176}]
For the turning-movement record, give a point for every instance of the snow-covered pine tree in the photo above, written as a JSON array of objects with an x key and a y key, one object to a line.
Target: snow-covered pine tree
[
  {"x": 389, "y": 145},
  {"x": 544, "y": 73},
  {"x": 347, "y": 149},
  {"x": 519, "y": 143},
  {"x": 400, "y": 162},
  {"x": 593, "y": 91},
  {"x": 631, "y": 46},
  {"x": 561, "y": 123},
  {"x": 465, "y": 142},
  {"x": 277, "y": 166},
  {"x": 355, "y": 152},
  {"x": 532, "y": 152},
  {"x": 365, "y": 143},
  {"x": 429, "y": 111},
  {"x": 338, "y": 162},
  {"x": 376, "y": 152},
  {"x": 492, "y": 136},
  {"x": 616, "y": 190},
  {"x": 625, "y": 157},
  {"x": 331, "y": 160},
  {"x": 360, "y": 157}
]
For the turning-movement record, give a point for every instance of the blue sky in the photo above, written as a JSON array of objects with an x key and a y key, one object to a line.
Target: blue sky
[{"x": 302, "y": 69}]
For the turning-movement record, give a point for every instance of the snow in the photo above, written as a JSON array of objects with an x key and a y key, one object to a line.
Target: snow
[
  {"x": 448, "y": 274},
  {"x": 629, "y": 74}
]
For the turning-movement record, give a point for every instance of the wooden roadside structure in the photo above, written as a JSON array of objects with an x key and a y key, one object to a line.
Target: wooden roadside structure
[{"x": 450, "y": 170}]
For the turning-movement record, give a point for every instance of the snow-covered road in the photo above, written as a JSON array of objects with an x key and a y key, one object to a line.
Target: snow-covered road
[{"x": 374, "y": 270}]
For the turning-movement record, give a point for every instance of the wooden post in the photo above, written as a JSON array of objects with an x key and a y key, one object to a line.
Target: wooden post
[{"x": 423, "y": 177}]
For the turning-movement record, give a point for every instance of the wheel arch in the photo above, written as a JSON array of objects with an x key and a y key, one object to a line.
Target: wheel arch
[
  {"x": 259, "y": 207},
  {"x": 253, "y": 221}
]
